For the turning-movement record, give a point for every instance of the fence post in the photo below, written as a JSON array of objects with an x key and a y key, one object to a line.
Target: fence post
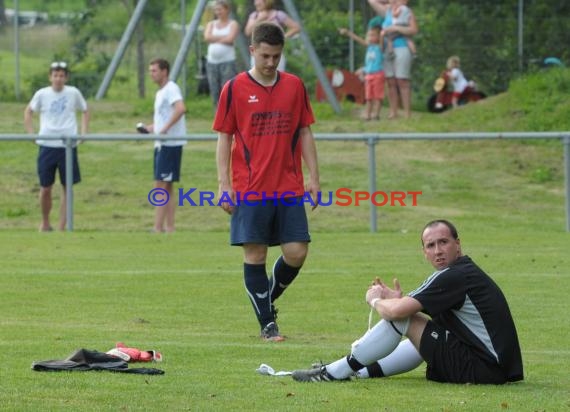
[
  {"x": 69, "y": 183},
  {"x": 566, "y": 141},
  {"x": 371, "y": 142}
]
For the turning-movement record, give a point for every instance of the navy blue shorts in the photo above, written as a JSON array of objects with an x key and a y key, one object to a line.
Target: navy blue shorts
[
  {"x": 269, "y": 223},
  {"x": 51, "y": 159},
  {"x": 167, "y": 160},
  {"x": 450, "y": 360}
]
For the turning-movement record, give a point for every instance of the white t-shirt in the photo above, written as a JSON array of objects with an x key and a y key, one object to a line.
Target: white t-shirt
[
  {"x": 57, "y": 112},
  {"x": 459, "y": 80},
  {"x": 221, "y": 52},
  {"x": 163, "y": 111}
]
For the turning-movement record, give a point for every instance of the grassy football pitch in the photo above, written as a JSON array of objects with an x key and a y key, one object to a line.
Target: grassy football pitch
[{"x": 183, "y": 294}]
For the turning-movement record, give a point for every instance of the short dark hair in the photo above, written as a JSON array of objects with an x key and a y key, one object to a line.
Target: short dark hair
[
  {"x": 267, "y": 32},
  {"x": 436, "y": 222},
  {"x": 162, "y": 64}
]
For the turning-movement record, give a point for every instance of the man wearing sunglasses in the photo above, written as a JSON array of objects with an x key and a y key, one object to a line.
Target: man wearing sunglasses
[{"x": 57, "y": 105}]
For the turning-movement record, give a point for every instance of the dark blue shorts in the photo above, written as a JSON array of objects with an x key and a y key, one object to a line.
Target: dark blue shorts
[
  {"x": 167, "y": 160},
  {"x": 51, "y": 159},
  {"x": 269, "y": 223},
  {"x": 450, "y": 360}
]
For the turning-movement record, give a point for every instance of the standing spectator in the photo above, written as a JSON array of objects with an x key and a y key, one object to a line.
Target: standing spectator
[
  {"x": 169, "y": 119},
  {"x": 220, "y": 35},
  {"x": 263, "y": 123},
  {"x": 398, "y": 69},
  {"x": 401, "y": 17},
  {"x": 373, "y": 71},
  {"x": 264, "y": 11},
  {"x": 57, "y": 105}
]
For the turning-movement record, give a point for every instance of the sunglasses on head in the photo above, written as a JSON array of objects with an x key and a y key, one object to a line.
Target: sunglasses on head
[{"x": 58, "y": 65}]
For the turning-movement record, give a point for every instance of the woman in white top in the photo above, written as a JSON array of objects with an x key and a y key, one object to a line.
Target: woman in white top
[
  {"x": 220, "y": 35},
  {"x": 264, "y": 11}
]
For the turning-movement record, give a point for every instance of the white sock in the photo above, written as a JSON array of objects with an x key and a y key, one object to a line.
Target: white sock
[
  {"x": 403, "y": 359},
  {"x": 375, "y": 344},
  {"x": 362, "y": 373},
  {"x": 339, "y": 369}
]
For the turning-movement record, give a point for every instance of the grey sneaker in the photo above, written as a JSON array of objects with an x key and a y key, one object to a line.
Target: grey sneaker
[
  {"x": 271, "y": 333},
  {"x": 318, "y": 374}
]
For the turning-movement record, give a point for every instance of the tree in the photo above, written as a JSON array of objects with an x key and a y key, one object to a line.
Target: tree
[
  {"x": 483, "y": 33},
  {"x": 103, "y": 23},
  {"x": 139, "y": 41}
]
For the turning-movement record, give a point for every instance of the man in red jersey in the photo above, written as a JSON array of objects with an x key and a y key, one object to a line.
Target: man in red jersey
[{"x": 263, "y": 123}]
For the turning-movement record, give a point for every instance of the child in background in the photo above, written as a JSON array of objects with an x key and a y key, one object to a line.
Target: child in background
[
  {"x": 373, "y": 71},
  {"x": 460, "y": 83},
  {"x": 401, "y": 15}
]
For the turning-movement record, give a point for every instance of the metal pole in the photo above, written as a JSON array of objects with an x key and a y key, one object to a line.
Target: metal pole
[
  {"x": 242, "y": 44},
  {"x": 350, "y": 41},
  {"x": 292, "y": 10},
  {"x": 520, "y": 34},
  {"x": 69, "y": 182},
  {"x": 185, "y": 46},
  {"x": 17, "y": 48},
  {"x": 567, "y": 178},
  {"x": 121, "y": 48},
  {"x": 372, "y": 180},
  {"x": 183, "y": 25}
]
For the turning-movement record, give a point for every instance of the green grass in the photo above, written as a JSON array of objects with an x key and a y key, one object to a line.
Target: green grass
[{"x": 183, "y": 295}]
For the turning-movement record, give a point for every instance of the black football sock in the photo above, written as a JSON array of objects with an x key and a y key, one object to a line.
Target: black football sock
[
  {"x": 283, "y": 276},
  {"x": 375, "y": 370},
  {"x": 257, "y": 287}
]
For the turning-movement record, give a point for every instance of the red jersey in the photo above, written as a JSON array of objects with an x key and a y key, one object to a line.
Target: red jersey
[{"x": 265, "y": 123}]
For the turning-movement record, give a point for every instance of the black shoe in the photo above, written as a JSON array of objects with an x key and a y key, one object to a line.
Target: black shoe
[
  {"x": 271, "y": 333},
  {"x": 318, "y": 374}
]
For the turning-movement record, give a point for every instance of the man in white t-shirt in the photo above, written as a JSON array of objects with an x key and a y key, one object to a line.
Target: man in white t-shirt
[
  {"x": 57, "y": 105},
  {"x": 169, "y": 119}
]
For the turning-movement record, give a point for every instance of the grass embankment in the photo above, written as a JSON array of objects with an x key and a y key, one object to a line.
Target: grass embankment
[{"x": 501, "y": 182}]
